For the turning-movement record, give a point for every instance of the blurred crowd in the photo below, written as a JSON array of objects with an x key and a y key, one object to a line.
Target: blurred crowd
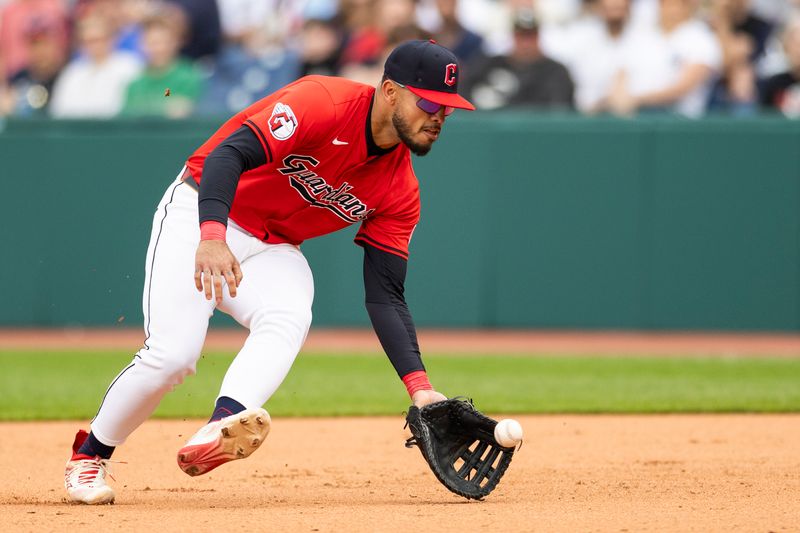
[{"x": 180, "y": 58}]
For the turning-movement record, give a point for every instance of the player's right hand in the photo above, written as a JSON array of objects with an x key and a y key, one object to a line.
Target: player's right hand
[{"x": 214, "y": 262}]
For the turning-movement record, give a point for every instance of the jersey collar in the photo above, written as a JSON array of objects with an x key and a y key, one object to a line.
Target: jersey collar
[{"x": 372, "y": 148}]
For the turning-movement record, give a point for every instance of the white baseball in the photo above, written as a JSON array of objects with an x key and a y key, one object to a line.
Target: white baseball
[{"x": 508, "y": 433}]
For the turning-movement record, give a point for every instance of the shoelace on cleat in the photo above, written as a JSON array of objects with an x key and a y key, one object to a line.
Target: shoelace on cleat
[{"x": 86, "y": 474}]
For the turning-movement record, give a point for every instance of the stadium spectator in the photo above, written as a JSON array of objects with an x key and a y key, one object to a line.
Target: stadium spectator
[
  {"x": 320, "y": 46},
  {"x": 738, "y": 22},
  {"x": 559, "y": 39},
  {"x": 16, "y": 17},
  {"x": 395, "y": 22},
  {"x": 318, "y": 9},
  {"x": 249, "y": 69},
  {"x": 240, "y": 17},
  {"x": 465, "y": 44},
  {"x": 624, "y": 56},
  {"x": 370, "y": 73},
  {"x": 743, "y": 38},
  {"x": 525, "y": 77},
  {"x": 125, "y": 18},
  {"x": 164, "y": 31},
  {"x": 204, "y": 37},
  {"x": 781, "y": 92},
  {"x": 30, "y": 89},
  {"x": 277, "y": 22},
  {"x": 93, "y": 84},
  {"x": 394, "y": 14},
  {"x": 364, "y": 42},
  {"x": 492, "y": 20},
  {"x": 774, "y": 11},
  {"x": 593, "y": 49},
  {"x": 670, "y": 66},
  {"x": 129, "y": 33}
]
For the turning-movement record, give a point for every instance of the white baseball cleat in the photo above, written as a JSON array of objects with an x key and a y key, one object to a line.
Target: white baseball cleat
[
  {"x": 233, "y": 437},
  {"x": 85, "y": 477}
]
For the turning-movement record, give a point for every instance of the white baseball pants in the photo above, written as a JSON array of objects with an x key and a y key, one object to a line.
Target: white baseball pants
[{"x": 273, "y": 302}]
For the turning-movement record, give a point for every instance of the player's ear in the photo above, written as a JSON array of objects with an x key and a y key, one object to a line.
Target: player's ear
[{"x": 389, "y": 91}]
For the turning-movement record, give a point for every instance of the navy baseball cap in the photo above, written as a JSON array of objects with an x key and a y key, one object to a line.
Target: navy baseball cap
[{"x": 428, "y": 70}]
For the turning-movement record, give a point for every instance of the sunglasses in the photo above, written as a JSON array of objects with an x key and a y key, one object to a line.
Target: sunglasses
[{"x": 431, "y": 107}]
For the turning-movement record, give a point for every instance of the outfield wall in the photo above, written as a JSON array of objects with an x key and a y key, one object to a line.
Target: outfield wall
[{"x": 552, "y": 222}]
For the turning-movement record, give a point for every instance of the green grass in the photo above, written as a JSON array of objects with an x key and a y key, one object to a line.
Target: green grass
[{"x": 69, "y": 384}]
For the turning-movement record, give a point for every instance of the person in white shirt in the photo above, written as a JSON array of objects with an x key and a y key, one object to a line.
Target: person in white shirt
[
  {"x": 671, "y": 66},
  {"x": 593, "y": 48},
  {"x": 93, "y": 84}
]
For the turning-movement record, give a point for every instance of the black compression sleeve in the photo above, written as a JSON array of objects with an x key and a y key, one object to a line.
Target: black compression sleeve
[
  {"x": 384, "y": 278},
  {"x": 240, "y": 152}
]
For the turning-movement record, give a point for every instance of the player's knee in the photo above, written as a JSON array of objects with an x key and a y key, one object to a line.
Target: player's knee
[
  {"x": 294, "y": 321},
  {"x": 169, "y": 367},
  {"x": 175, "y": 373},
  {"x": 303, "y": 320}
]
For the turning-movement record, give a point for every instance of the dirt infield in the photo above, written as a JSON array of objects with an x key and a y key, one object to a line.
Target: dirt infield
[
  {"x": 573, "y": 473},
  {"x": 460, "y": 341}
]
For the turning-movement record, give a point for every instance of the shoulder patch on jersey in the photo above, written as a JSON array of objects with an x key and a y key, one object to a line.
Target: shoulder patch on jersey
[{"x": 282, "y": 122}]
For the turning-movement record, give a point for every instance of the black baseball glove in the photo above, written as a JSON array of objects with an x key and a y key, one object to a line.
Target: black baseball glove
[{"x": 458, "y": 443}]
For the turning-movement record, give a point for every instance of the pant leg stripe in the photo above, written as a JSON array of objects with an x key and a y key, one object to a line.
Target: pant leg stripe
[
  {"x": 149, "y": 286},
  {"x": 109, "y": 388},
  {"x": 152, "y": 263}
]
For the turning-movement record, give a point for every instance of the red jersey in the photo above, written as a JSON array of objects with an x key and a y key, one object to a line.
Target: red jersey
[{"x": 318, "y": 177}]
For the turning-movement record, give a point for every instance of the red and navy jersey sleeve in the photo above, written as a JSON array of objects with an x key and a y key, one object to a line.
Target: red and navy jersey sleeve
[
  {"x": 391, "y": 227},
  {"x": 301, "y": 114}
]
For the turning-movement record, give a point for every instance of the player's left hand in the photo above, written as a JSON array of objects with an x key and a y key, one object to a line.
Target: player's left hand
[
  {"x": 457, "y": 441},
  {"x": 214, "y": 262}
]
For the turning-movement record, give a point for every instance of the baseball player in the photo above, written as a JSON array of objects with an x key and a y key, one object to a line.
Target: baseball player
[{"x": 312, "y": 158}]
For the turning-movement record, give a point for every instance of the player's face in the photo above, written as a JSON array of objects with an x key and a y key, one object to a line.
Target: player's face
[{"x": 417, "y": 128}]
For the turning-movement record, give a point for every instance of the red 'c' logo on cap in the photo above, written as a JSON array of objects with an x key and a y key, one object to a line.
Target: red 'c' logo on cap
[{"x": 450, "y": 74}]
